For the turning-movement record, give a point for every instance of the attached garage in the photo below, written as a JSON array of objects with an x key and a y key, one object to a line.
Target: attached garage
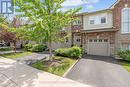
[{"x": 98, "y": 47}]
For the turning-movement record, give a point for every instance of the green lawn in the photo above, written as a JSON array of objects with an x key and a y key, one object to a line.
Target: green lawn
[
  {"x": 58, "y": 70},
  {"x": 126, "y": 65},
  {"x": 15, "y": 55}
]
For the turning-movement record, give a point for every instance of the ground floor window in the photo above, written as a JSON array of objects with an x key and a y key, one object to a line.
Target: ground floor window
[{"x": 125, "y": 47}]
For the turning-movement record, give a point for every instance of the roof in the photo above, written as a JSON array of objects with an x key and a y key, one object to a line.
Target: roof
[
  {"x": 101, "y": 30},
  {"x": 115, "y": 4},
  {"x": 109, "y": 9}
]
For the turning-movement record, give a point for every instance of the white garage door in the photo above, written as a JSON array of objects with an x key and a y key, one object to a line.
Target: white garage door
[{"x": 98, "y": 47}]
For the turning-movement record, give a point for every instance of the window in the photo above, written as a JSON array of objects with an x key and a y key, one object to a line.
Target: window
[
  {"x": 78, "y": 40},
  {"x": 77, "y": 22},
  {"x": 100, "y": 40},
  {"x": 6, "y": 7},
  {"x": 95, "y": 40},
  {"x": 90, "y": 40},
  {"x": 129, "y": 47},
  {"x": 106, "y": 40},
  {"x": 126, "y": 20},
  {"x": 91, "y": 22},
  {"x": 103, "y": 20},
  {"x": 98, "y": 19}
]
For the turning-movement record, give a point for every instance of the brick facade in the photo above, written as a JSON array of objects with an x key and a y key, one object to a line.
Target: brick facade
[
  {"x": 115, "y": 38},
  {"x": 117, "y": 18}
]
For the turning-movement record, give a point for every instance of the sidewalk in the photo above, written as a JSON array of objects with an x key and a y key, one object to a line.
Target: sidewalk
[
  {"x": 14, "y": 74},
  {"x": 6, "y": 52}
]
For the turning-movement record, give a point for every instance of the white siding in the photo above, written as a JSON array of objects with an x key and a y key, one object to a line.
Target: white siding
[{"x": 97, "y": 18}]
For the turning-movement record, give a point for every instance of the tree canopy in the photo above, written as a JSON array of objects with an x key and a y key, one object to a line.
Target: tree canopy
[{"x": 46, "y": 19}]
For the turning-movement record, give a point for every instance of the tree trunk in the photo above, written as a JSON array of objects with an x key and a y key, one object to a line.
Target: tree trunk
[
  {"x": 15, "y": 47},
  {"x": 50, "y": 50}
]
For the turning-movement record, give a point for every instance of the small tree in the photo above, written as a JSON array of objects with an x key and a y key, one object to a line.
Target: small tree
[
  {"x": 47, "y": 17},
  {"x": 8, "y": 37}
]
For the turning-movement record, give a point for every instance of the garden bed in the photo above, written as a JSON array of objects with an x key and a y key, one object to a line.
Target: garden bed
[{"x": 58, "y": 66}]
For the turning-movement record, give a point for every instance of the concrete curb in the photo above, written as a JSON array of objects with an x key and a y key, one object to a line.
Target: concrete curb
[{"x": 70, "y": 68}]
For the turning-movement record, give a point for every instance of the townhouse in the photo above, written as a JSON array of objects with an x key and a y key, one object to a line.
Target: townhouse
[{"x": 103, "y": 32}]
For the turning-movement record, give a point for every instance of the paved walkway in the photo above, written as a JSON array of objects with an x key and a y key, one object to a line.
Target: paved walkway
[
  {"x": 6, "y": 52},
  {"x": 14, "y": 74},
  {"x": 100, "y": 72},
  {"x": 32, "y": 58}
]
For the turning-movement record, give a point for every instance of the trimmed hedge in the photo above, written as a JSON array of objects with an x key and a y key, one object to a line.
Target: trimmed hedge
[
  {"x": 35, "y": 47},
  {"x": 124, "y": 54},
  {"x": 5, "y": 49},
  {"x": 74, "y": 52}
]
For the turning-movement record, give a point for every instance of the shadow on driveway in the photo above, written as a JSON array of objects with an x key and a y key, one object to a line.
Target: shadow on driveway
[{"x": 100, "y": 71}]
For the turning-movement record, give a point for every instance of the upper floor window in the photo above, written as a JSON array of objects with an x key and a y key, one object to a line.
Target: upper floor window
[
  {"x": 77, "y": 22},
  {"x": 91, "y": 21},
  {"x": 126, "y": 20},
  {"x": 103, "y": 20},
  {"x": 6, "y": 7},
  {"x": 98, "y": 19}
]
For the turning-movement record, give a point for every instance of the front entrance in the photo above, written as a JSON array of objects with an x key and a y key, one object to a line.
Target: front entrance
[{"x": 98, "y": 47}]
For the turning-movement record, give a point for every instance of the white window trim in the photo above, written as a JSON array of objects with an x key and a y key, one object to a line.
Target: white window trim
[
  {"x": 99, "y": 19},
  {"x": 122, "y": 32}
]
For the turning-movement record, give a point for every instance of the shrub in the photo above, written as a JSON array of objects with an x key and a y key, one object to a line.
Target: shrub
[
  {"x": 28, "y": 47},
  {"x": 35, "y": 47},
  {"x": 124, "y": 54},
  {"x": 75, "y": 52},
  {"x": 38, "y": 48},
  {"x": 5, "y": 49}
]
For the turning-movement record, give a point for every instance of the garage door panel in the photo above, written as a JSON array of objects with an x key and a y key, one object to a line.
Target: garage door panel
[{"x": 98, "y": 48}]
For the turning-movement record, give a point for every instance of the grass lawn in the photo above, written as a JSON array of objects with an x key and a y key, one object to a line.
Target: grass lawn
[
  {"x": 126, "y": 65},
  {"x": 58, "y": 70},
  {"x": 15, "y": 55}
]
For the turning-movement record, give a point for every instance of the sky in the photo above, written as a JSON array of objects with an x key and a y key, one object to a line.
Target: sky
[{"x": 88, "y": 5}]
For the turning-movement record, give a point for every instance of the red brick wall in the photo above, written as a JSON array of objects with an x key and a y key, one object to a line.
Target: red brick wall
[
  {"x": 120, "y": 38},
  {"x": 117, "y": 13}
]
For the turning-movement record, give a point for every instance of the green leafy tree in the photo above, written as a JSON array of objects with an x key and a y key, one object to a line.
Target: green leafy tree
[
  {"x": 47, "y": 19},
  {"x": 3, "y": 22}
]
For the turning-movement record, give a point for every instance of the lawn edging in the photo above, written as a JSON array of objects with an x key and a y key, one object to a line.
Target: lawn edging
[{"x": 70, "y": 68}]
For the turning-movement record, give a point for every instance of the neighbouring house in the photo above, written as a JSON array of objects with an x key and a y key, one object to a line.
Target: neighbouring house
[{"x": 103, "y": 32}]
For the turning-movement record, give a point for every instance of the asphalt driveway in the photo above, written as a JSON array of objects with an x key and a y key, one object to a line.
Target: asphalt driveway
[{"x": 100, "y": 71}]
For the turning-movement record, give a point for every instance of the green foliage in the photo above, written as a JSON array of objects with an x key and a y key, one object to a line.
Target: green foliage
[
  {"x": 28, "y": 47},
  {"x": 3, "y": 22},
  {"x": 38, "y": 47},
  {"x": 125, "y": 54},
  {"x": 75, "y": 52},
  {"x": 46, "y": 17},
  {"x": 35, "y": 47},
  {"x": 5, "y": 49}
]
